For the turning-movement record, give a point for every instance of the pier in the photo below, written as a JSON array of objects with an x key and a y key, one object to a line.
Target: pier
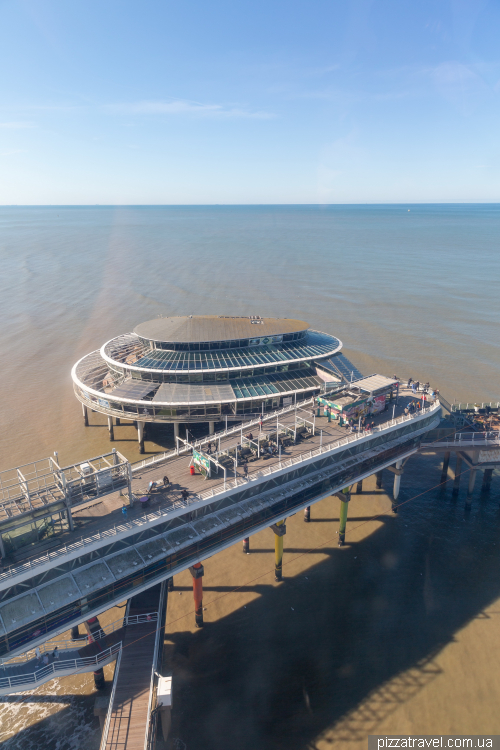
[{"x": 171, "y": 528}]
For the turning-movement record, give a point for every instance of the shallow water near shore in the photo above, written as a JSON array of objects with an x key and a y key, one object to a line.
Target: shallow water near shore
[{"x": 411, "y": 292}]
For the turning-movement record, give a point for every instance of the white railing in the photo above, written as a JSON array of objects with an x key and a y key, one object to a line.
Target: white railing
[
  {"x": 477, "y": 437},
  {"x": 60, "y": 645},
  {"x": 230, "y": 484},
  {"x": 67, "y": 665},
  {"x": 325, "y": 448},
  {"x": 475, "y": 405},
  {"x": 153, "y": 460}
]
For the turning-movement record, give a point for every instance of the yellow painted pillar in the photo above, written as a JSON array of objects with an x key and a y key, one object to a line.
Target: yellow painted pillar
[{"x": 279, "y": 529}]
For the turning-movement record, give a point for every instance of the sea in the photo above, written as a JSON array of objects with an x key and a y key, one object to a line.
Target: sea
[{"x": 410, "y": 290}]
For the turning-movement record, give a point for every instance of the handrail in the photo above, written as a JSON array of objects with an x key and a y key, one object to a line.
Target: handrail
[
  {"x": 230, "y": 483},
  {"x": 147, "y": 462},
  {"x": 472, "y": 405},
  {"x": 41, "y": 675},
  {"x": 98, "y": 635}
]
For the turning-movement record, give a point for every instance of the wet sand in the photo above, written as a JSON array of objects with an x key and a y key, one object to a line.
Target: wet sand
[{"x": 395, "y": 632}]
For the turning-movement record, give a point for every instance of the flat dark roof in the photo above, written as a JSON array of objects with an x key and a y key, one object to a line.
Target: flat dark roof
[{"x": 198, "y": 328}]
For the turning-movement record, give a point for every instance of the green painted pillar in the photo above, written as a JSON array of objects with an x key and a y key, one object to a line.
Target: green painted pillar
[{"x": 346, "y": 492}]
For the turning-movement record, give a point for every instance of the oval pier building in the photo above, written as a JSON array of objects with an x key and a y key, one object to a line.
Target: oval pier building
[{"x": 207, "y": 368}]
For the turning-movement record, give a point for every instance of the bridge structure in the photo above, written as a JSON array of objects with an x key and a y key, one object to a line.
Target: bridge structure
[
  {"x": 179, "y": 509},
  {"x": 479, "y": 451}
]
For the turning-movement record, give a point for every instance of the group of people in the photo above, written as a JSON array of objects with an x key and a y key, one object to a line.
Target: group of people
[
  {"x": 352, "y": 424},
  {"x": 46, "y": 658},
  {"x": 412, "y": 407},
  {"x": 415, "y": 385}
]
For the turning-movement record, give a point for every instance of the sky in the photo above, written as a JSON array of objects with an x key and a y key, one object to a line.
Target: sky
[{"x": 261, "y": 102}]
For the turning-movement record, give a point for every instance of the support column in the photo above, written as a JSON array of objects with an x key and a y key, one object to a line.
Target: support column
[
  {"x": 170, "y": 584},
  {"x": 211, "y": 428},
  {"x": 359, "y": 487},
  {"x": 75, "y": 633},
  {"x": 458, "y": 471},
  {"x": 197, "y": 571},
  {"x": 307, "y": 514},
  {"x": 397, "y": 484},
  {"x": 279, "y": 529},
  {"x": 488, "y": 473},
  {"x": 444, "y": 471},
  {"x": 99, "y": 681},
  {"x": 2, "y": 548},
  {"x": 470, "y": 488},
  {"x": 140, "y": 436},
  {"x": 246, "y": 544},
  {"x": 344, "y": 496},
  {"x": 85, "y": 415},
  {"x": 176, "y": 430},
  {"x": 118, "y": 423},
  {"x": 110, "y": 428},
  {"x": 379, "y": 480}
]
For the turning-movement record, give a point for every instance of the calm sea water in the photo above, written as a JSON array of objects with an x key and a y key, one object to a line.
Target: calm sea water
[{"x": 411, "y": 290}]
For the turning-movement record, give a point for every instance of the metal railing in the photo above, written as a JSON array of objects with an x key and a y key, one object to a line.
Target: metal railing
[
  {"x": 152, "y": 460},
  {"x": 475, "y": 405},
  {"x": 61, "y": 645},
  {"x": 325, "y": 448},
  {"x": 57, "y": 666},
  {"x": 230, "y": 484}
]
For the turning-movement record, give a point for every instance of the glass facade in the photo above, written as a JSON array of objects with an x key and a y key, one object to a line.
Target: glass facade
[{"x": 255, "y": 374}]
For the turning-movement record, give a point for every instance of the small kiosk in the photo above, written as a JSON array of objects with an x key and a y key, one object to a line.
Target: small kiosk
[{"x": 368, "y": 395}]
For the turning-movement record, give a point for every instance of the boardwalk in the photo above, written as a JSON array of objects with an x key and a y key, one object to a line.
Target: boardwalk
[{"x": 129, "y": 717}]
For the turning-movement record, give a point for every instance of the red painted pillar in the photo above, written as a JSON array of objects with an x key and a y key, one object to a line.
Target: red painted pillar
[{"x": 197, "y": 571}]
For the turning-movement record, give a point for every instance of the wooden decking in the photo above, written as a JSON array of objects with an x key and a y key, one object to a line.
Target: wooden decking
[{"x": 129, "y": 713}]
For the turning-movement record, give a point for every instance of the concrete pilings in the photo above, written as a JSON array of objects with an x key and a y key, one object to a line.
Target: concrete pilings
[
  {"x": 488, "y": 473},
  {"x": 359, "y": 487},
  {"x": 444, "y": 470},
  {"x": 470, "y": 488},
  {"x": 246, "y": 545},
  {"x": 379, "y": 479},
  {"x": 140, "y": 436},
  {"x": 176, "y": 430},
  {"x": 307, "y": 514},
  {"x": 458, "y": 472},
  {"x": 344, "y": 496},
  {"x": 211, "y": 428},
  {"x": 85, "y": 415},
  {"x": 279, "y": 529},
  {"x": 75, "y": 633},
  {"x": 111, "y": 429},
  {"x": 99, "y": 681},
  {"x": 197, "y": 571},
  {"x": 397, "y": 485}
]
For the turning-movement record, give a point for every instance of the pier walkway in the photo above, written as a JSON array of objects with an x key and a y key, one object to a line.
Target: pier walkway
[
  {"x": 103, "y": 518},
  {"x": 127, "y": 722},
  {"x": 192, "y": 518},
  {"x": 62, "y": 658}
]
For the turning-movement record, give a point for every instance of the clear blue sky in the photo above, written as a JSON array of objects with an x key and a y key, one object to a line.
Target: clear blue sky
[{"x": 249, "y": 102}]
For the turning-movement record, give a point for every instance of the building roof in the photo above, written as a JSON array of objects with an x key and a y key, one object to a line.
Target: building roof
[
  {"x": 197, "y": 328},
  {"x": 373, "y": 383}
]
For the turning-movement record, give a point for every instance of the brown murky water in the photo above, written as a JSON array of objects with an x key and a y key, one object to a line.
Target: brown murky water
[{"x": 399, "y": 630}]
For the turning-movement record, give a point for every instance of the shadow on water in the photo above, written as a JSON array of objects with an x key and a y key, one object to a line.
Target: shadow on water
[{"x": 363, "y": 637}]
